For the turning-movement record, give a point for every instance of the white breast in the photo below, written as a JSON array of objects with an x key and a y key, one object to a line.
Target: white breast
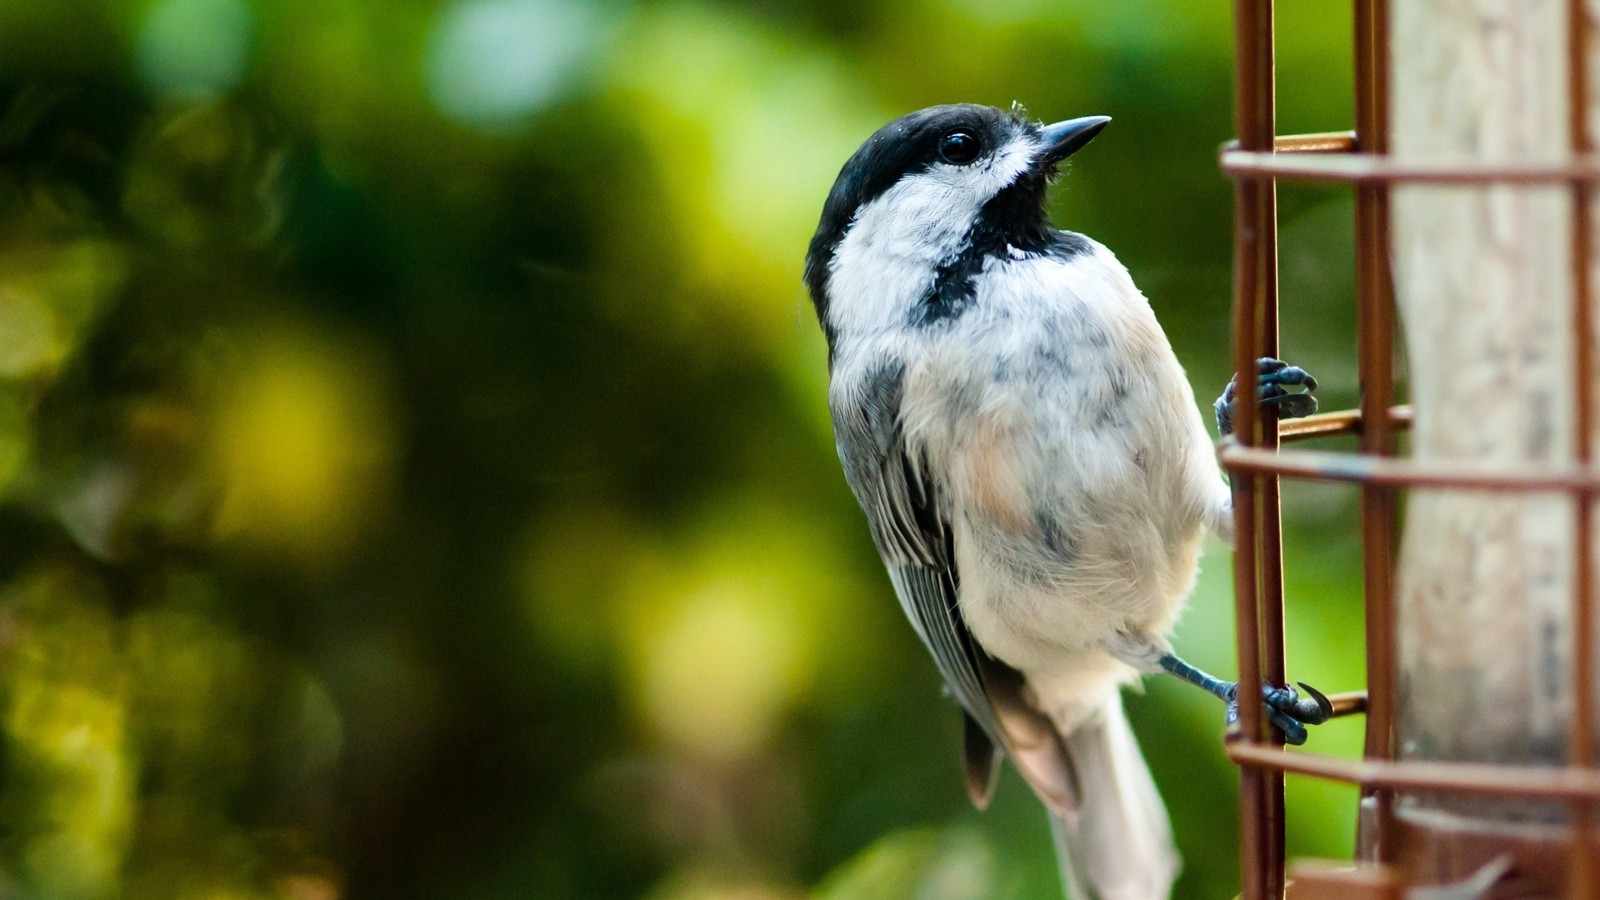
[{"x": 1077, "y": 471}]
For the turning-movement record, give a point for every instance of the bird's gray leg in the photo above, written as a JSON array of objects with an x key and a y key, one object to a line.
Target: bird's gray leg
[
  {"x": 1286, "y": 709},
  {"x": 1272, "y": 375},
  {"x": 1226, "y": 691}
]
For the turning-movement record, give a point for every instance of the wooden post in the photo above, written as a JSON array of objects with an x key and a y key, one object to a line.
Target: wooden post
[{"x": 1484, "y": 286}]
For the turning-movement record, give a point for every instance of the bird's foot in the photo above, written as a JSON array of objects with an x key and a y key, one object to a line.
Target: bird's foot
[
  {"x": 1286, "y": 709},
  {"x": 1288, "y": 712},
  {"x": 1272, "y": 377}
]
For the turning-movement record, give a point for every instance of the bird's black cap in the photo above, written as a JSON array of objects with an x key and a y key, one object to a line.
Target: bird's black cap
[{"x": 913, "y": 143}]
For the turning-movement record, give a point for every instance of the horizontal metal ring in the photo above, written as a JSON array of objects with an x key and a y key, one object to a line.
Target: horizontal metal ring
[
  {"x": 1524, "y": 782},
  {"x": 1365, "y": 168},
  {"x": 1317, "y": 465}
]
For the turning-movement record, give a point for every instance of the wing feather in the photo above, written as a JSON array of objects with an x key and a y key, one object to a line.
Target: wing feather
[
  {"x": 902, "y": 503},
  {"x": 912, "y": 537}
]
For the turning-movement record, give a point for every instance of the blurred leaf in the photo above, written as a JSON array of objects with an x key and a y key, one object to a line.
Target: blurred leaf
[
  {"x": 302, "y": 442},
  {"x": 916, "y": 865}
]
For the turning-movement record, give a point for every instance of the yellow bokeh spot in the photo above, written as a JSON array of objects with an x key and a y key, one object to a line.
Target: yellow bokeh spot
[
  {"x": 66, "y": 724},
  {"x": 15, "y": 437},
  {"x": 78, "y": 731},
  {"x": 700, "y": 884},
  {"x": 720, "y": 632},
  {"x": 919, "y": 863},
  {"x": 48, "y": 294},
  {"x": 717, "y": 668},
  {"x": 723, "y": 634},
  {"x": 747, "y": 131},
  {"x": 302, "y": 444}
]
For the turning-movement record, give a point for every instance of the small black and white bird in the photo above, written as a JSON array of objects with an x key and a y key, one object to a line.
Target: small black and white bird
[{"x": 1031, "y": 461}]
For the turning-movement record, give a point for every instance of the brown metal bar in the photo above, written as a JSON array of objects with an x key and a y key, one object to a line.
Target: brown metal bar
[
  {"x": 1375, "y": 329},
  {"x": 1319, "y": 465},
  {"x": 1581, "y": 749},
  {"x": 1320, "y": 142},
  {"x": 1253, "y": 798},
  {"x": 1327, "y": 425},
  {"x": 1255, "y": 289},
  {"x": 1363, "y": 167},
  {"x": 1322, "y": 880},
  {"x": 1334, "y": 424},
  {"x": 1273, "y": 653},
  {"x": 1316, "y": 142},
  {"x": 1351, "y": 703},
  {"x": 1476, "y": 779}
]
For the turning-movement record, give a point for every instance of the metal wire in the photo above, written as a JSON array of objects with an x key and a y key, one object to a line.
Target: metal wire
[
  {"x": 1256, "y": 160},
  {"x": 1258, "y": 540},
  {"x": 1581, "y": 752}
]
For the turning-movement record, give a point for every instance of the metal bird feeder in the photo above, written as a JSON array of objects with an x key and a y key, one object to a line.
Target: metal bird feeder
[{"x": 1390, "y": 854}]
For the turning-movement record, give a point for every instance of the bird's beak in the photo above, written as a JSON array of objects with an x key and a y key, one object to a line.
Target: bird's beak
[{"x": 1063, "y": 139}]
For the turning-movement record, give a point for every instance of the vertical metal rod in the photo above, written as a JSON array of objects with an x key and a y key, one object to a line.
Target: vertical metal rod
[
  {"x": 1252, "y": 780},
  {"x": 1270, "y": 541},
  {"x": 1376, "y": 328},
  {"x": 1270, "y": 536},
  {"x": 1581, "y": 749},
  {"x": 1257, "y": 538}
]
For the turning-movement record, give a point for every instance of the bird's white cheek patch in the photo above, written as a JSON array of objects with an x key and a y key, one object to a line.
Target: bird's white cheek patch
[
  {"x": 1002, "y": 170},
  {"x": 926, "y": 216},
  {"x": 895, "y": 244},
  {"x": 923, "y": 217}
]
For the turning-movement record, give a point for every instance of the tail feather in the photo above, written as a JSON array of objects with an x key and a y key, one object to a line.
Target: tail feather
[
  {"x": 981, "y": 762},
  {"x": 1030, "y": 739},
  {"x": 1117, "y": 844}
]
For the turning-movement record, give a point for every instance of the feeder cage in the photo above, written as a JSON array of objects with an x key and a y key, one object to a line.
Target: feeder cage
[{"x": 1472, "y": 165}]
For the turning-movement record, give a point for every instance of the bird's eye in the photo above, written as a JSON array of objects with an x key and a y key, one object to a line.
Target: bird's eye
[{"x": 958, "y": 148}]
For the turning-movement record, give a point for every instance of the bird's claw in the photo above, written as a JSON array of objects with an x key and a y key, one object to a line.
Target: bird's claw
[
  {"x": 1314, "y": 709},
  {"x": 1272, "y": 376},
  {"x": 1288, "y": 711}
]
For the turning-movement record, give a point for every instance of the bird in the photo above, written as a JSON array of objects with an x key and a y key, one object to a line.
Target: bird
[{"x": 1034, "y": 470}]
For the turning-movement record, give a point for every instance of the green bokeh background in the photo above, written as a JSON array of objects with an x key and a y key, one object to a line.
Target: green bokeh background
[{"x": 415, "y": 479}]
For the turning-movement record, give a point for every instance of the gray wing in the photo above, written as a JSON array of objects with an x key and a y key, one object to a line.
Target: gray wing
[
  {"x": 902, "y": 507},
  {"x": 902, "y": 503}
]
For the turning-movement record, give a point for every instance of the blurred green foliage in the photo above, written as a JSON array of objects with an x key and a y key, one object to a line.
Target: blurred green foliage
[{"x": 414, "y": 472}]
